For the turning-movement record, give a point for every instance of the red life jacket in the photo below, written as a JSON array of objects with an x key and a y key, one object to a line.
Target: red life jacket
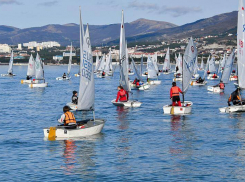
[
  {"x": 137, "y": 84},
  {"x": 175, "y": 91},
  {"x": 123, "y": 95},
  {"x": 221, "y": 85}
]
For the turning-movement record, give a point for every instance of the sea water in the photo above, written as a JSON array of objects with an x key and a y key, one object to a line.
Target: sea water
[{"x": 136, "y": 144}]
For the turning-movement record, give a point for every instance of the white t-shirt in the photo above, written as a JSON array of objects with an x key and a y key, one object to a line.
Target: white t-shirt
[{"x": 62, "y": 119}]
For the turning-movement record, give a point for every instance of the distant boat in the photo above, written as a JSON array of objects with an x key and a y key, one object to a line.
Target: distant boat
[
  {"x": 67, "y": 76},
  {"x": 152, "y": 77},
  {"x": 39, "y": 75},
  {"x": 10, "y": 69},
  {"x": 166, "y": 66},
  {"x": 31, "y": 72}
]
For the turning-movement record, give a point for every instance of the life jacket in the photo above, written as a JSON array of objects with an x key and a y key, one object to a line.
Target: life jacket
[
  {"x": 69, "y": 118},
  {"x": 137, "y": 83},
  {"x": 123, "y": 95},
  {"x": 175, "y": 91},
  {"x": 221, "y": 85}
]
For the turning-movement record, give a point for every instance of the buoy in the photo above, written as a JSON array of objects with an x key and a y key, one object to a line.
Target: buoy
[
  {"x": 22, "y": 81},
  {"x": 52, "y": 133}
]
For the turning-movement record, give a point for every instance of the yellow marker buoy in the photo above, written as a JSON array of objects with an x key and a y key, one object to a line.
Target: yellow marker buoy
[
  {"x": 22, "y": 81},
  {"x": 52, "y": 133}
]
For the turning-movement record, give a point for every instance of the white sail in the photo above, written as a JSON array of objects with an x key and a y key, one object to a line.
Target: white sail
[
  {"x": 189, "y": 64},
  {"x": 141, "y": 65},
  {"x": 228, "y": 68},
  {"x": 102, "y": 63},
  {"x": 202, "y": 64},
  {"x": 180, "y": 64},
  {"x": 196, "y": 66},
  {"x": 70, "y": 61},
  {"x": 151, "y": 68},
  {"x": 123, "y": 58},
  {"x": 110, "y": 64},
  {"x": 39, "y": 68},
  {"x": 31, "y": 67},
  {"x": 241, "y": 45},
  {"x": 97, "y": 63},
  {"x": 206, "y": 68},
  {"x": 223, "y": 61},
  {"x": 212, "y": 68},
  {"x": 155, "y": 62},
  {"x": 136, "y": 70},
  {"x": 166, "y": 65},
  {"x": 107, "y": 64},
  {"x": 10, "y": 70},
  {"x": 86, "y": 88}
]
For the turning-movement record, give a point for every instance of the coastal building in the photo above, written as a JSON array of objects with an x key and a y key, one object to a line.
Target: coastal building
[
  {"x": 48, "y": 44},
  {"x": 58, "y": 57},
  {"x": 5, "y": 48}
]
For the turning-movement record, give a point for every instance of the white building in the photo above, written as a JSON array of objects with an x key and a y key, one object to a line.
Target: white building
[
  {"x": 19, "y": 46},
  {"x": 58, "y": 58},
  {"x": 66, "y": 54},
  {"x": 4, "y": 48},
  {"x": 43, "y": 44}
]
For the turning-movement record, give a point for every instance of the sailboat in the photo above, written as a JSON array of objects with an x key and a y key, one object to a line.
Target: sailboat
[
  {"x": 30, "y": 72},
  {"x": 124, "y": 81},
  {"x": 178, "y": 74},
  {"x": 201, "y": 68},
  {"x": 85, "y": 99},
  {"x": 108, "y": 65},
  {"x": 142, "y": 85},
  {"x": 240, "y": 60},
  {"x": 166, "y": 66},
  {"x": 188, "y": 69},
  {"x": 195, "y": 74},
  {"x": 212, "y": 69},
  {"x": 201, "y": 81},
  {"x": 152, "y": 76},
  {"x": 39, "y": 75},
  {"x": 10, "y": 69},
  {"x": 101, "y": 68},
  {"x": 67, "y": 76},
  {"x": 225, "y": 74}
]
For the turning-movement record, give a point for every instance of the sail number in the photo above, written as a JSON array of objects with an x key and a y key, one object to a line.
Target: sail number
[{"x": 86, "y": 65}]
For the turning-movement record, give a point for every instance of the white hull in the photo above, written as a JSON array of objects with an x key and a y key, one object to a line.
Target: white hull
[
  {"x": 77, "y": 75},
  {"x": 210, "y": 77},
  {"x": 184, "y": 109},
  {"x": 194, "y": 83},
  {"x": 215, "y": 89},
  {"x": 177, "y": 79},
  {"x": 72, "y": 106},
  {"x": 237, "y": 108},
  {"x": 154, "y": 82},
  {"x": 28, "y": 81},
  {"x": 7, "y": 75},
  {"x": 131, "y": 73},
  {"x": 196, "y": 76},
  {"x": 166, "y": 73},
  {"x": 38, "y": 85},
  {"x": 127, "y": 104},
  {"x": 141, "y": 87},
  {"x": 61, "y": 78},
  {"x": 233, "y": 78},
  {"x": 90, "y": 128}
]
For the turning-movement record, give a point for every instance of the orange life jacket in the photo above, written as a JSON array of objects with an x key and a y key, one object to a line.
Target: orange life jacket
[
  {"x": 175, "y": 91},
  {"x": 69, "y": 118}
]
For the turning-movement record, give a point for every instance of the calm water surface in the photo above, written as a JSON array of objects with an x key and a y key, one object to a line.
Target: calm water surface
[{"x": 137, "y": 144}]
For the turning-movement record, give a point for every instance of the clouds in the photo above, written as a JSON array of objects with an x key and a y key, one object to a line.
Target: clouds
[
  {"x": 48, "y": 3},
  {"x": 3, "y": 2},
  {"x": 174, "y": 11}
]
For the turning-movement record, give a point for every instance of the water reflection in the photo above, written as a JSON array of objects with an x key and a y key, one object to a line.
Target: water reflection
[
  {"x": 69, "y": 156},
  {"x": 123, "y": 142}
]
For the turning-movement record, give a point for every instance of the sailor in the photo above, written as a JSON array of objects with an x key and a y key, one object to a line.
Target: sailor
[
  {"x": 28, "y": 77},
  {"x": 103, "y": 73},
  {"x": 64, "y": 75},
  {"x": 234, "y": 98},
  {"x": 135, "y": 81},
  {"x": 214, "y": 75},
  {"x": 174, "y": 94},
  {"x": 122, "y": 95},
  {"x": 208, "y": 72},
  {"x": 68, "y": 117},
  {"x": 74, "y": 98},
  {"x": 177, "y": 69},
  {"x": 200, "y": 80},
  {"x": 221, "y": 85}
]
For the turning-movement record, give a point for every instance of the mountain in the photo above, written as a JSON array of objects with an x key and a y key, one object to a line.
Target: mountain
[
  {"x": 209, "y": 26},
  {"x": 64, "y": 34}
]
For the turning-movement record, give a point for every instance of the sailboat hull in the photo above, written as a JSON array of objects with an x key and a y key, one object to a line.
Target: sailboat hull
[
  {"x": 61, "y": 78},
  {"x": 194, "y": 83},
  {"x": 88, "y": 129},
  {"x": 38, "y": 85},
  {"x": 141, "y": 87},
  {"x": 28, "y": 81},
  {"x": 77, "y": 75},
  {"x": 127, "y": 104},
  {"x": 215, "y": 89},
  {"x": 7, "y": 75},
  {"x": 177, "y": 110},
  {"x": 72, "y": 106},
  {"x": 210, "y": 77},
  {"x": 230, "y": 109},
  {"x": 154, "y": 82}
]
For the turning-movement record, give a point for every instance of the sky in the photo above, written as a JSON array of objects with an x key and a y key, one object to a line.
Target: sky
[{"x": 36, "y": 13}]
